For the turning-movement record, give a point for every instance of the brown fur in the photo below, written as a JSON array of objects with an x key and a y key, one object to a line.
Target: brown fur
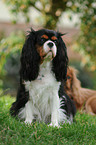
[
  {"x": 44, "y": 36},
  {"x": 41, "y": 53},
  {"x": 54, "y": 38},
  {"x": 80, "y": 95},
  {"x": 91, "y": 105}
]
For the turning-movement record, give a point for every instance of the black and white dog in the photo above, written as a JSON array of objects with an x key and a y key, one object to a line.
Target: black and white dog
[{"x": 43, "y": 71}]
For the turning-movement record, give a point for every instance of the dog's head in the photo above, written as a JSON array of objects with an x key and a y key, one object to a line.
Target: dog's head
[
  {"x": 43, "y": 45},
  {"x": 46, "y": 44},
  {"x": 69, "y": 81},
  {"x": 72, "y": 81}
]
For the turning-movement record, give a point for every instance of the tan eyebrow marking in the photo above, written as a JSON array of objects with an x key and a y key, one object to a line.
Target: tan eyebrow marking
[
  {"x": 54, "y": 38},
  {"x": 44, "y": 36}
]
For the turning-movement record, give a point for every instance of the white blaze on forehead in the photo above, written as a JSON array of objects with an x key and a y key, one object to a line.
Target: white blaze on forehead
[{"x": 47, "y": 48}]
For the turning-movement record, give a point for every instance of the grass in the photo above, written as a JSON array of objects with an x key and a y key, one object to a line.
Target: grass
[{"x": 14, "y": 132}]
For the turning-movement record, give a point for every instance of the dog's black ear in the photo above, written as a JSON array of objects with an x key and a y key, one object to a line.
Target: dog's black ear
[
  {"x": 30, "y": 59},
  {"x": 60, "y": 62}
]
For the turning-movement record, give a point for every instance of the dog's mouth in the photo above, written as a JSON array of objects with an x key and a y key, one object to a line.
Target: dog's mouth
[{"x": 49, "y": 55}]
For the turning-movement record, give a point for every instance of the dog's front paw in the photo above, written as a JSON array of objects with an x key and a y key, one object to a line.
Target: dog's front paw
[
  {"x": 54, "y": 125},
  {"x": 28, "y": 121}
]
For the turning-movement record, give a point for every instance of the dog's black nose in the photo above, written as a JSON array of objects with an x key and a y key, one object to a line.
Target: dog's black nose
[{"x": 50, "y": 44}]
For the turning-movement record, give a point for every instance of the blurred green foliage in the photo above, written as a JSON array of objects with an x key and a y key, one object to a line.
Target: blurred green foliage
[
  {"x": 86, "y": 43},
  {"x": 10, "y": 49},
  {"x": 9, "y": 46}
]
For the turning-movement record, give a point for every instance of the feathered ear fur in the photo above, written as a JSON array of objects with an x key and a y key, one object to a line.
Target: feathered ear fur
[
  {"x": 76, "y": 87},
  {"x": 60, "y": 62},
  {"x": 30, "y": 59},
  {"x": 75, "y": 82}
]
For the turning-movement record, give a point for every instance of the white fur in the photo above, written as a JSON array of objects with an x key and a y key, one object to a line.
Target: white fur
[
  {"x": 47, "y": 49},
  {"x": 43, "y": 98}
]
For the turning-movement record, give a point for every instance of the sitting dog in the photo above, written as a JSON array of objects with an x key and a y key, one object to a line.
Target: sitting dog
[
  {"x": 41, "y": 95},
  {"x": 80, "y": 95}
]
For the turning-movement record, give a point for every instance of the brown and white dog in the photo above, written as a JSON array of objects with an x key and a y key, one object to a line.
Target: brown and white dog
[{"x": 81, "y": 96}]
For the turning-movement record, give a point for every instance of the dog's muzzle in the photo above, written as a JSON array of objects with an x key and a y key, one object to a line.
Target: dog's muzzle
[{"x": 50, "y": 49}]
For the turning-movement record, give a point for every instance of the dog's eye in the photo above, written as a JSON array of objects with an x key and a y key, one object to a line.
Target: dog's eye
[
  {"x": 42, "y": 39},
  {"x": 55, "y": 41},
  {"x": 68, "y": 77},
  {"x": 72, "y": 98}
]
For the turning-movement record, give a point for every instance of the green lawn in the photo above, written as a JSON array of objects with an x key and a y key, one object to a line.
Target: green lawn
[{"x": 14, "y": 132}]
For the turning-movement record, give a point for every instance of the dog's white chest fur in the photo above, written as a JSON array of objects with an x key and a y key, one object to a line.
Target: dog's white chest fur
[
  {"x": 43, "y": 97},
  {"x": 44, "y": 86}
]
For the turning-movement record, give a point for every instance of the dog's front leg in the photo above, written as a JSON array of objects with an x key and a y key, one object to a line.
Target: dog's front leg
[
  {"x": 28, "y": 112},
  {"x": 55, "y": 111}
]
